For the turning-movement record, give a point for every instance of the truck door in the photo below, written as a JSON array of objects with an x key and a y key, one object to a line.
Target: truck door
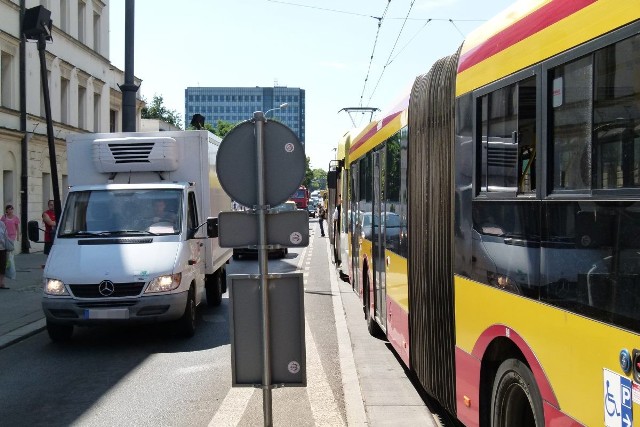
[{"x": 196, "y": 257}]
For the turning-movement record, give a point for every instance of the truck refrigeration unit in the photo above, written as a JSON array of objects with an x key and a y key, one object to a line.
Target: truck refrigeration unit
[{"x": 136, "y": 241}]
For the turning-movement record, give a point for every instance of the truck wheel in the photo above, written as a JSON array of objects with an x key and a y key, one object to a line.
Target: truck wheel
[
  {"x": 223, "y": 277},
  {"x": 515, "y": 399},
  {"x": 59, "y": 332},
  {"x": 187, "y": 323},
  {"x": 214, "y": 289}
]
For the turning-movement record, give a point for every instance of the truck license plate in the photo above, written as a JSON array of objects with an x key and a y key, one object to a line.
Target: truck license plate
[{"x": 108, "y": 313}]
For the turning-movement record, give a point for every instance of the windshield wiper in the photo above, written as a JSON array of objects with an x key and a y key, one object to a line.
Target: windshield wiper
[
  {"x": 83, "y": 233},
  {"x": 129, "y": 232},
  {"x": 80, "y": 233}
]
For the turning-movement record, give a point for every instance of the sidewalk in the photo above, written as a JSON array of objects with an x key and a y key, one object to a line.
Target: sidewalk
[{"x": 20, "y": 306}]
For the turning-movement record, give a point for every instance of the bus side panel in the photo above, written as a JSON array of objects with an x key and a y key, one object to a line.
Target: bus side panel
[
  {"x": 397, "y": 297},
  {"x": 571, "y": 351},
  {"x": 398, "y": 329},
  {"x": 467, "y": 390}
]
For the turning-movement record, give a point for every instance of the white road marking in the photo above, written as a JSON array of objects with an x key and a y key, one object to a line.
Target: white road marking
[
  {"x": 323, "y": 404},
  {"x": 322, "y": 401},
  {"x": 232, "y": 407}
]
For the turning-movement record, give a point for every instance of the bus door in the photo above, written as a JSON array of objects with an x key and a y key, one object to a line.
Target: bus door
[
  {"x": 355, "y": 228},
  {"x": 378, "y": 236}
]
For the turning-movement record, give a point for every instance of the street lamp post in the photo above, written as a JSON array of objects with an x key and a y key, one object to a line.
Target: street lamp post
[
  {"x": 37, "y": 26},
  {"x": 281, "y": 107}
]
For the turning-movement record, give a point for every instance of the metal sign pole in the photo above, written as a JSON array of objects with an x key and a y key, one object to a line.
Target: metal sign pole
[{"x": 263, "y": 254}]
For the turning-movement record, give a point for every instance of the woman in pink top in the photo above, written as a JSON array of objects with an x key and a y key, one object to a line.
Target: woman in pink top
[{"x": 12, "y": 222}]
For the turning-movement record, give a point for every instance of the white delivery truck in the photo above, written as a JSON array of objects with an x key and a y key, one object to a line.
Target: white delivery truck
[{"x": 136, "y": 238}]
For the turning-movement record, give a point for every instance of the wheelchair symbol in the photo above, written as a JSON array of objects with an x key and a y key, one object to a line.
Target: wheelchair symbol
[{"x": 609, "y": 402}]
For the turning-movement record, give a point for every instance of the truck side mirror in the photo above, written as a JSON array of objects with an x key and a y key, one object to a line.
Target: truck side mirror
[
  {"x": 212, "y": 227},
  {"x": 34, "y": 231}
]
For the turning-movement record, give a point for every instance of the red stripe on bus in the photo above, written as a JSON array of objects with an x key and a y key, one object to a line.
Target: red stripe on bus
[
  {"x": 536, "y": 21},
  {"x": 373, "y": 131}
]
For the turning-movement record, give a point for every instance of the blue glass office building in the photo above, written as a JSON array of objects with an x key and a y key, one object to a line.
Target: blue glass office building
[{"x": 236, "y": 104}]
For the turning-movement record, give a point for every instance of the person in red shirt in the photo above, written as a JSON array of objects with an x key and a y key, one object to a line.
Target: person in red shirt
[
  {"x": 12, "y": 223},
  {"x": 49, "y": 219}
]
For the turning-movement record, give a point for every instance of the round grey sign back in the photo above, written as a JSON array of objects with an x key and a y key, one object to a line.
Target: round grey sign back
[{"x": 237, "y": 167}]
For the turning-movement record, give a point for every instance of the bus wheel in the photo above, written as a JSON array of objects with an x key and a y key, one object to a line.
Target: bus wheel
[
  {"x": 515, "y": 399},
  {"x": 372, "y": 326}
]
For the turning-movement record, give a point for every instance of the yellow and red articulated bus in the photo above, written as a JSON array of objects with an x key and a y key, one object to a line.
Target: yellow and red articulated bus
[{"x": 491, "y": 222}]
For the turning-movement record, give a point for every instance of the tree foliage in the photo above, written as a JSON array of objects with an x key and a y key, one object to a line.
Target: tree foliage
[
  {"x": 157, "y": 110},
  {"x": 319, "y": 181}
]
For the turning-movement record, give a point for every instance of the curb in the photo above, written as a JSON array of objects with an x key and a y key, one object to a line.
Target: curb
[{"x": 22, "y": 333}]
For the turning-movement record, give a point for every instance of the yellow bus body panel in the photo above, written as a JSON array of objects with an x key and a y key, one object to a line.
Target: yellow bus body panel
[{"x": 571, "y": 349}]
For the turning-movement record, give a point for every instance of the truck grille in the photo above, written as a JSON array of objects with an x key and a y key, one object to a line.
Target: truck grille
[{"x": 120, "y": 290}]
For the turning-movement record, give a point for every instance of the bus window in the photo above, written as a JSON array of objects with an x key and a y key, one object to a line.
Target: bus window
[
  {"x": 508, "y": 149},
  {"x": 616, "y": 115},
  {"x": 571, "y": 130}
]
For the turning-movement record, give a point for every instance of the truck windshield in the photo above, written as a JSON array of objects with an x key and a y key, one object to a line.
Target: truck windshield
[{"x": 105, "y": 213}]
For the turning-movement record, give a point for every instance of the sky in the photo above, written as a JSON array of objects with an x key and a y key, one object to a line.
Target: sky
[{"x": 343, "y": 53}]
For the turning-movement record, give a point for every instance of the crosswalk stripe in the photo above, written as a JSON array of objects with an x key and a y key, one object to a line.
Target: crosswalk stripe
[{"x": 232, "y": 407}]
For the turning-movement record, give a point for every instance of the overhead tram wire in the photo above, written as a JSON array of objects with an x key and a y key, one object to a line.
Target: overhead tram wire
[
  {"x": 322, "y": 8},
  {"x": 389, "y": 60},
  {"x": 375, "y": 42}
]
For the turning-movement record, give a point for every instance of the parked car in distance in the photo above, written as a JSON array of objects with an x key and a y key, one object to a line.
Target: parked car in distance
[
  {"x": 311, "y": 208},
  {"x": 238, "y": 253}
]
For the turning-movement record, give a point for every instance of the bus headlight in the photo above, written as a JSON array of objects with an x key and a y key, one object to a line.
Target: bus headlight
[
  {"x": 164, "y": 283},
  {"x": 54, "y": 287}
]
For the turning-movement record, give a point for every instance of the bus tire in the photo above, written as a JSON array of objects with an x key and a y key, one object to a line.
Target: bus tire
[
  {"x": 372, "y": 326},
  {"x": 515, "y": 398}
]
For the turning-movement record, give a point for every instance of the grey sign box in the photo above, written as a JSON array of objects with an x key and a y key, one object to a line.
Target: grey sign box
[
  {"x": 238, "y": 229},
  {"x": 284, "y": 163},
  {"x": 286, "y": 329}
]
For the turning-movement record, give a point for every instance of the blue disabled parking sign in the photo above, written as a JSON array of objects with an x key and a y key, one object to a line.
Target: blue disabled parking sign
[{"x": 617, "y": 399}]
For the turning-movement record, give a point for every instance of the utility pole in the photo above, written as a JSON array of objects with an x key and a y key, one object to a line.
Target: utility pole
[{"x": 129, "y": 87}]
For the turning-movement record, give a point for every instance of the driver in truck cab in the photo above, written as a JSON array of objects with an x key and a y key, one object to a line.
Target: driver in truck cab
[{"x": 160, "y": 214}]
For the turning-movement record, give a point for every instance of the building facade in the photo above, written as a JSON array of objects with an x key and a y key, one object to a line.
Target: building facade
[
  {"x": 237, "y": 104},
  {"x": 84, "y": 95}
]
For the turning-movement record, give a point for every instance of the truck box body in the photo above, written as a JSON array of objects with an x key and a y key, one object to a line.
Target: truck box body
[{"x": 130, "y": 244}]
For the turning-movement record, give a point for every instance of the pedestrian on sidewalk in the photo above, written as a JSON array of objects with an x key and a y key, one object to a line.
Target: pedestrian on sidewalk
[
  {"x": 12, "y": 229},
  {"x": 322, "y": 214},
  {"x": 12, "y": 223},
  {"x": 3, "y": 254},
  {"x": 49, "y": 219}
]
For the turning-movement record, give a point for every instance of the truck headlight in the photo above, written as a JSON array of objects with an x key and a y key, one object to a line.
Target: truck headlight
[
  {"x": 54, "y": 287},
  {"x": 164, "y": 283}
]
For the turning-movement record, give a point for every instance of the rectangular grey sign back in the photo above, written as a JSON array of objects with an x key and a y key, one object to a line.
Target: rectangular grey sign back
[
  {"x": 238, "y": 229},
  {"x": 286, "y": 309}
]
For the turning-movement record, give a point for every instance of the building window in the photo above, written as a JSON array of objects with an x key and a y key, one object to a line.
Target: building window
[
  {"x": 113, "y": 118},
  {"x": 82, "y": 107},
  {"x": 6, "y": 79},
  {"x": 81, "y": 21},
  {"x": 64, "y": 100},
  {"x": 64, "y": 15},
  {"x": 96, "y": 112},
  {"x": 8, "y": 185},
  {"x": 96, "y": 32},
  {"x": 46, "y": 190}
]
